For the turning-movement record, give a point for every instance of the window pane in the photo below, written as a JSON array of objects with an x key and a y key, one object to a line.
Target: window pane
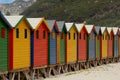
[
  {"x": 69, "y": 35},
  {"x": 25, "y": 33},
  {"x": 98, "y": 37},
  {"x": 3, "y": 33},
  {"x": 84, "y": 36},
  {"x": 53, "y": 35},
  {"x": 62, "y": 36},
  {"x": 74, "y": 36},
  {"x": 17, "y": 33},
  {"x": 103, "y": 37},
  {"x": 37, "y": 34},
  {"x": 44, "y": 35},
  {"x": 80, "y": 36}
]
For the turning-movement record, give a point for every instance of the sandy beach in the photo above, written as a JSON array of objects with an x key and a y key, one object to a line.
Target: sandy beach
[{"x": 104, "y": 72}]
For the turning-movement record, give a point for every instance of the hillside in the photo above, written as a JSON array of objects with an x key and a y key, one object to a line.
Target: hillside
[{"x": 98, "y": 12}]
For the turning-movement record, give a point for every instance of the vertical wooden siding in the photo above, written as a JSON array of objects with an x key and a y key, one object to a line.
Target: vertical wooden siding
[
  {"x": 71, "y": 46},
  {"x": 82, "y": 45},
  {"x": 3, "y": 47},
  {"x": 97, "y": 47},
  {"x": 21, "y": 47},
  {"x": 10, "y": 43},
  {"x": 110, "y": 46},
  {"x": 104, "y": 45},
  {"x": 53, "y": 48},
  {"x": 119, "y": 45},
  {"x": 58, "y": 47},
  {"x": 92, "y": 47},
  {"x": 62, "y": 49},
  {"x": 41, "y": 46},
  {"x": 32, "y": 48},
  {"x": 115, "y": 46}
]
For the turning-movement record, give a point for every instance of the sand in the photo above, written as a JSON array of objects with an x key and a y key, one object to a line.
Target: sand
[{"x": 104, "y": 72}]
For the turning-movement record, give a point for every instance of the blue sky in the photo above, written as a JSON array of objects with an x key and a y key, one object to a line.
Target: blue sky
[{"x": 6, "y": 1}]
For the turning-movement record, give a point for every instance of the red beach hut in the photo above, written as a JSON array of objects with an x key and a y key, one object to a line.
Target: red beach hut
[
  {"x": 39, "y": 42},
  {"x": 110, "y": 42},
  {"x": 82, "y": 42}
]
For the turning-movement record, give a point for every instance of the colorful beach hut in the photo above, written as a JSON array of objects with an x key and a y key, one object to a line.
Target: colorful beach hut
[
  {"x": 119, "y": 43},
  {"x": 4, "y": 56},
  {"x": 82, "y": 42},
  {"x": 61, "y": 42},
  {"x": 98, "y": 45},
  {"x": 71, "y": 43},
  {"x": 110, "y": 42},
  {"x": 52, "y": 42},
  {"x": 19, "y": 42},
  {"x": 104, "y": 43},
  {"x": 116, "y": 47},
  {"x": 91, "y": 42},
  {"x": 39, "y": 42}
]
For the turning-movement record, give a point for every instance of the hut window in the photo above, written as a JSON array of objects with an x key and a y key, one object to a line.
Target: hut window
[
  {"x": 103, "y": 37},
  {"x": 84, "y": 36},
  {"x": 62, "y": 36},
  {"x": 2, "y": 32},
  {"x": 53, "y": 35},
  {"x": 74, "y": 36},
  {"x": 69, "y": 35},
  {"x": 91, "y": 36},
  {"x": 98, "y": 37},
  {"x": 37, "y": 34},
  {"x": 17, "y": 33},
  {"x": 80, "y": 36},
  {"x": 25, "y": 33},
  {"x": 106, "y": 37},
  {"x": 115, "y": 37},
  {"x": 44, "y": 34},
  {"x": 111, "y": 37}
]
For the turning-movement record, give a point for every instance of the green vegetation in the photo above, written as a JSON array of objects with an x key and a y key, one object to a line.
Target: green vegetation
[{"x": 98, "y": 12}]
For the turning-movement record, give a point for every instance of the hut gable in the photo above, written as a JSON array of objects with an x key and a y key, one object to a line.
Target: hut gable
[
  {"x": 35, "y": 22},
  {"x": 13, "y": 20},
  {"x": 104, "y": 29},
  {"x": 60, "y": 25},
  {"x": 79, "y": 27},
  {"x": 115, "y": 30},
  {"x": 109, "y": 29},
  {"x": 4, "y": 20},
  {"x": 90, "y": 28},
  {"x": 52, "y": 24},
  {"x": 68, "y": 26},
  {"x": 98, "y": 29}
]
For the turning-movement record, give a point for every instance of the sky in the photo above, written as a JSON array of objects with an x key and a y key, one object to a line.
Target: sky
[{"x": 6, "y": 1}]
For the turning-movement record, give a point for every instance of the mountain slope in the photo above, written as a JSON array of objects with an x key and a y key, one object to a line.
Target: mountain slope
[{"x": 98, "y": 12}]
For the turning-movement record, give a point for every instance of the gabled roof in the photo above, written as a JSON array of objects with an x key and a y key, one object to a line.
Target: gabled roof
[
  {"x": 98, "y": 29},
  {"x": 14, "y": 20},
  {"x": 89, "y": 28},
  {"x": 115, "y": 30},
  {"x": 68, "y": 26},
  {"x": 34, "y": 22},
  {"x": 4, "y": 19},
  {"x": 103, "y": 29},
  {"x": 51, "y": 24},
  {"x": 79, "y": 27},
  {"x": 60, "y": 25},
  {"x": 109, "y": 29}
]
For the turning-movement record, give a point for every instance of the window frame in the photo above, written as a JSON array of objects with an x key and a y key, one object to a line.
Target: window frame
[
  {"x": 17, "y": 33},
  {"x": 37, "y": 34},
  {"x": 25, "y": 33},
  {"x": 3, "y": 32}
]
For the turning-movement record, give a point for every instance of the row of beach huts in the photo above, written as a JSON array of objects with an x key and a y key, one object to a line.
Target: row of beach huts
[{"x": 51, "y": 46}]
